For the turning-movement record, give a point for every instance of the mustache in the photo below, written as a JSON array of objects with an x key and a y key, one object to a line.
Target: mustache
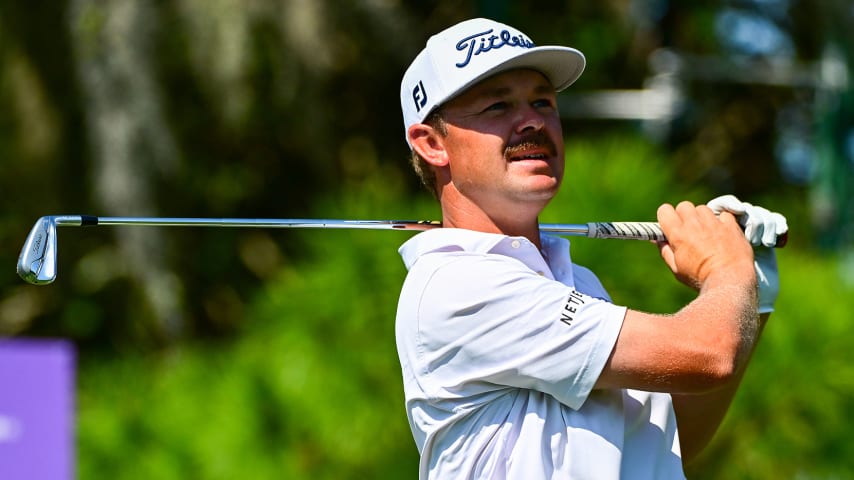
[{"x": 531, "y": 141}]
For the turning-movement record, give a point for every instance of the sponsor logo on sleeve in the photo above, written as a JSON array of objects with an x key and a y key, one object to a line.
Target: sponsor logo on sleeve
[{"x": 573, "y": 304}]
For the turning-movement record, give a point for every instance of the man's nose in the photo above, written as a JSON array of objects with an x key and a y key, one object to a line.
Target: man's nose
[{"x": 530, "y": 119}]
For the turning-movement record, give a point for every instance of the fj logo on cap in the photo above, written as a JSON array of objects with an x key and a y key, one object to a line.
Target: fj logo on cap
[
  {"x": 483, "y": 42},
  {"x": 419, "y": 96}
]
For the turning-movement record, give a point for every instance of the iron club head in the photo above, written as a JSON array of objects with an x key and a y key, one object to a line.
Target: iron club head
[{"x": 37, "y": 262}]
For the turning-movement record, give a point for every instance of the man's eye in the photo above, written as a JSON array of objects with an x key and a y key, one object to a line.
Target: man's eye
[
  {"x": 497, "y": 106},
  {"x": 543, "y": 103}
]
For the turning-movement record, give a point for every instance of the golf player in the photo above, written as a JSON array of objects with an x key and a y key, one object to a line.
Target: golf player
[{"x": 516, "y": 363}]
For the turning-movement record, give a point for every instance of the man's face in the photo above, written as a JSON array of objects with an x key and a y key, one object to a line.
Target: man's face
[{"x": 504, "y": 141}]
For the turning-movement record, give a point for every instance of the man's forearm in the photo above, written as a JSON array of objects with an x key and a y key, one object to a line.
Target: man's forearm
[{"x": 699, "y": 415}]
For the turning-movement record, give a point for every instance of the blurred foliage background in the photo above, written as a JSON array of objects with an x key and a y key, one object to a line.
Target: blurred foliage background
[{"x": 241, "y": 353}]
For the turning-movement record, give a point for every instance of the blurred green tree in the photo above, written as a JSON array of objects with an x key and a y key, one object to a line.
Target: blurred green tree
[{"x": 278, "y": 108}]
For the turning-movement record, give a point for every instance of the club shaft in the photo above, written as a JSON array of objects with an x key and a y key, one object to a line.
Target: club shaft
[
  {"x": 650, "y": 231},
  {"x": 37, "y": 261},
  {"x": 629, "y": 230}
]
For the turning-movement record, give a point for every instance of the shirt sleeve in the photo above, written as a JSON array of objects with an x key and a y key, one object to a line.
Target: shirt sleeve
[{"x": 487, "y": 322}]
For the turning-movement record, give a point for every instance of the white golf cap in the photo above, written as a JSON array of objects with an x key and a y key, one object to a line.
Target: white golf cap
[{"x": 468, "y": 52}]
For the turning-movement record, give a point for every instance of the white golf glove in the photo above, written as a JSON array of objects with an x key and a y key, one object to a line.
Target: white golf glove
[{"x": 761, "y": 228}]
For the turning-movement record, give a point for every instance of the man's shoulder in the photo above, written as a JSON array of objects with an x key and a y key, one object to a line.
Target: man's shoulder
[{"x": 446, "y": 240}]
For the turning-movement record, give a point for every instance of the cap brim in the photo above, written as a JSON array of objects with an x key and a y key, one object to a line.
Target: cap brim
[{"x": 561, "y": 65}]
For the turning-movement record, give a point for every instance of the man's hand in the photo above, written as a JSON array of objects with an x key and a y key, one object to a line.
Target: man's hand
[
  {"x": 761, "y": 228},
  {"x": 701, "y": 244}
]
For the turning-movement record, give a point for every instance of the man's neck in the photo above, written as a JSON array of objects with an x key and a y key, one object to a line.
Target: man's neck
[{"x": 508, "y": 223}]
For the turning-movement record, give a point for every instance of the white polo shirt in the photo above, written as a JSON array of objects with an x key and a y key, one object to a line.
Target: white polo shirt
[{"x": 500, "y": 347}]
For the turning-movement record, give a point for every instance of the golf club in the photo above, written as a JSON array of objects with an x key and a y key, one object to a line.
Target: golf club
[{"x": 37, "y": 262}]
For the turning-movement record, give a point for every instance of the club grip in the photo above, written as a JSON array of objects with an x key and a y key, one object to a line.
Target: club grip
[
  {"x": 626, "y": 230},
  {"x": 644, "y": 231}
]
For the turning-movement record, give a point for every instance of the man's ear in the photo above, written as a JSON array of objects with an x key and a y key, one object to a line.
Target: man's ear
[{"x": 428, "y": 143}]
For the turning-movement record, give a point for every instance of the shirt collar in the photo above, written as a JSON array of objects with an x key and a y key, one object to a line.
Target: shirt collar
[{"x": 458, "y": 239}]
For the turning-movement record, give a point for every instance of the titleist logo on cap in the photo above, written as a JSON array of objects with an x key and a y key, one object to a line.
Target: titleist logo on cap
[{"x": 483, "y": 42}]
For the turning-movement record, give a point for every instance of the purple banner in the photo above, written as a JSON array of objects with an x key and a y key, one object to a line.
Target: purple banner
[{"x": 36, "y": 409}]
